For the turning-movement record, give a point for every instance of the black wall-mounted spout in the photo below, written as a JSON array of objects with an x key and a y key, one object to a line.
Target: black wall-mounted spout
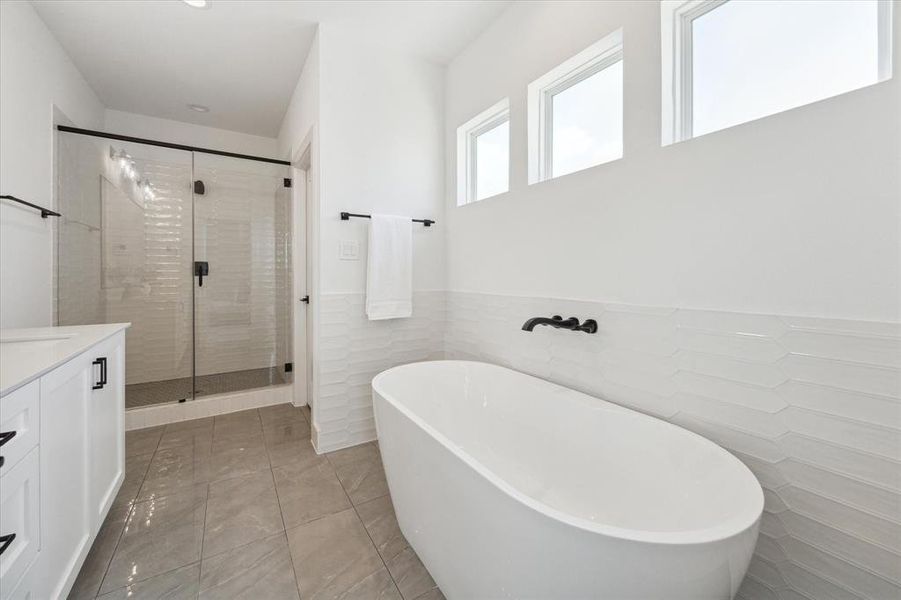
[{"x": 558, "y": 322}]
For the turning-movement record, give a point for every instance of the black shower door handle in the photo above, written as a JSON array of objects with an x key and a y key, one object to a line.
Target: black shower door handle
[{"x": 201, "y": 268}]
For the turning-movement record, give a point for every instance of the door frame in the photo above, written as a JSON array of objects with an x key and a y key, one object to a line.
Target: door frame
[{"x": 305, "y": 211}]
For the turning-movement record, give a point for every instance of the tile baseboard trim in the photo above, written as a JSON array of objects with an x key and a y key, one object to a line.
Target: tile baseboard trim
[
  {"x": 324, "y": 442},
  {"x": 218, "y": 404}
]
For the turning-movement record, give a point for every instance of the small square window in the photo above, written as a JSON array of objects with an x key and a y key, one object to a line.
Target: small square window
[
  {"x": 727, "y": 62},
  {"x": 576, "y": 112},
  {"x": 483, "y": 155}
]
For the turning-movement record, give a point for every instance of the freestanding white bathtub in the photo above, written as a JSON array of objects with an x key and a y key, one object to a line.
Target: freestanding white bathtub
[{"x": 508, "y": 486}]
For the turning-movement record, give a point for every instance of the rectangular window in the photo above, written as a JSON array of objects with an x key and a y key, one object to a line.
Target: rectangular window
[
  {"x": 492, "y": 159},
  {"x": 727, "y": 62},
  {"x": 483, "y": 155},
  {"x": 576, "y": 112}
]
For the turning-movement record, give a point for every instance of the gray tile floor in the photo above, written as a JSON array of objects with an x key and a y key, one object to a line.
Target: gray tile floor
[
  {"x": 173, "y": 390},
  {"x": 240, "y": 506}
]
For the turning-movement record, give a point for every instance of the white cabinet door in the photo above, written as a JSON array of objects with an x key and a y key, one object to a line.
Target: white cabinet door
[
  {"x": 106, "y": 423},
  {"x": 19, "y": 505},
  {"x": 66, "y": 515}
]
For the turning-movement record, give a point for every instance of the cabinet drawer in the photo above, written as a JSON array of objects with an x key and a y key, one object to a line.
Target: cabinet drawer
[
  {"x": 19, "y": 416},
  {"x": 19, "y": 505}
]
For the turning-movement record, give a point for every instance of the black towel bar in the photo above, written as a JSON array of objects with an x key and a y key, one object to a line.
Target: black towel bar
[
  {"x": 346, "y": 215},
  {"x": 44, "y": 211}
]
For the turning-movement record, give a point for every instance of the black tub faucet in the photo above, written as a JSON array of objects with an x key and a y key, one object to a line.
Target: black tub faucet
[{"x": 558, "y": 322}]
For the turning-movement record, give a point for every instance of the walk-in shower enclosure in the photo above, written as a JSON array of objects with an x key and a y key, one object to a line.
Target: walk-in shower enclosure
[{"x": 192, "y": 248}]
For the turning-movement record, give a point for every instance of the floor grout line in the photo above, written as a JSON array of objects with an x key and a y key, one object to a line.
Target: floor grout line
[
  {"x": 376, "y": 548},
  {"x": 281, "y": 513},
  {"x": 369, "y": 535},
  {"x": 116, "y": 548},
  {"x": 267, "y": 444},
  {"x": 131, "y": 508},
  {"x": 195, "y": 562},
  {"x": 354, "y": 506}
]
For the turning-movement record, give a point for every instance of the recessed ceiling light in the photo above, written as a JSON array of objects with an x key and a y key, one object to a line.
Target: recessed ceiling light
[
  {"x": 198, "y": 3},
  {"x": 199, "y": 108}
]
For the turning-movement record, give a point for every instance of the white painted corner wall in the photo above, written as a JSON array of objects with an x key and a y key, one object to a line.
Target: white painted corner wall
[
  {"x": 37, "y": 76},
  {"x": 303, "y": 108},
  {"x": 381, "y": 115},
  {"x": 377, "y": 133}
]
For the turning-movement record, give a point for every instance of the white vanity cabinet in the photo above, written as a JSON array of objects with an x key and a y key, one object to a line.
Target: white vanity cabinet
[
  {"x": 62, "y": 467},
  {"x": 106, "y": 428}
]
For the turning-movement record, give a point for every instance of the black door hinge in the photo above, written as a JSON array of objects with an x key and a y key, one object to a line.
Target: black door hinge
[
  {"x": 289, "y": 367},
  {"x": 199, "y": 188},
  {"x": 288, "y": 182}
]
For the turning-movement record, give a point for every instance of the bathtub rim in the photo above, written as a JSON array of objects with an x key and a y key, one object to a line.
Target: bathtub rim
[{"x": 707, "y": 535}]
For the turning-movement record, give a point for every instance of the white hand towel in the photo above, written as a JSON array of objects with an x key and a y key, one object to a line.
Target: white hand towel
[{"x": 389, "y": 272}]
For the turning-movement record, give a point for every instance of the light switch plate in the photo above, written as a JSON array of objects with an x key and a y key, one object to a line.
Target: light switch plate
[{"x": 348, "y": 250}]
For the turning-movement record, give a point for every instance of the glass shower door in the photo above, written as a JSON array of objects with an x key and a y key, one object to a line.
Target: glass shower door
[
  {"x": 192, "y": 249},
  {"x": 242, "y": 285},
  {"x": 124, "y": 252}
]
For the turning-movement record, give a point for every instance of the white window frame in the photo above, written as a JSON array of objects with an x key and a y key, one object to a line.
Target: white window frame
[
  {"x": 676, "y": 20},
  {"x": 466, "y": 150},
  {"x": 590, "y": 61}
]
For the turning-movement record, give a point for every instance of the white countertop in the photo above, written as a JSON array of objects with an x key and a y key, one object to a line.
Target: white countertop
[{"x": 26, "y": 354}]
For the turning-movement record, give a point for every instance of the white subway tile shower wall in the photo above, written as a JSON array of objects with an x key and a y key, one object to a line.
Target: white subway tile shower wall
[
  {"x": 139, "y": 269},
  {"x": 120, "y": 252},
  {"x": 353, "y": 350},
  {"x": 151, "y": 292},
  {"x": 240, "y": 313},
  {"x": 812, "y": 406}
]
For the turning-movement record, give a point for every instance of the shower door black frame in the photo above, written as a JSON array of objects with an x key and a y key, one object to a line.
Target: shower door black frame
[{"x": 149, "y": 142}]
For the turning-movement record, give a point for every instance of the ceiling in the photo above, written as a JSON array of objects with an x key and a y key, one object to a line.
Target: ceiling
[{"x": 242, "y": 59}]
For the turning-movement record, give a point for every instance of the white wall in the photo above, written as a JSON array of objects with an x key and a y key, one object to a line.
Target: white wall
[
  {"x": 375, "y": 118},
  {"x": 166, "y": 130},
  {"x": 709, "y": 266},
  {"x": 303, "y": 108},
  {"x": 36, "y": 75},
  {"x": 797, "y": 213},
  {"x": 381, "y": 137}
]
